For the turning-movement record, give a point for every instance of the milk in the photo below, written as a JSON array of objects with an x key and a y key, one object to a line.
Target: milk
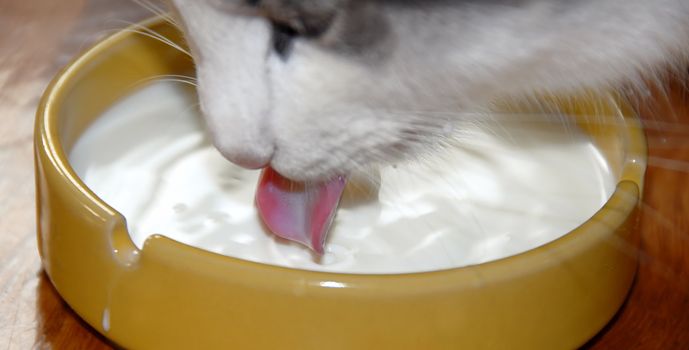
[{"x": 493, "y": 192}]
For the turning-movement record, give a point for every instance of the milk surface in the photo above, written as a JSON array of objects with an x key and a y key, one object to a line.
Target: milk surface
[{"x": 504, "y": 187}]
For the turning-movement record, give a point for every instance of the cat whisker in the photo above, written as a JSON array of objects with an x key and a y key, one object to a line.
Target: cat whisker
[
  {"x": 175, "y": 78},
  {"x": 500, "y": 119},
  {"x": 157, "y": 11},
  {"x": 668, "y": 142},
  {"x": 669, "y": 164},
  {"x": 671, "y": 233},
  {"x": 147, "y": 32},
  {"x": 183, "y": 79}
]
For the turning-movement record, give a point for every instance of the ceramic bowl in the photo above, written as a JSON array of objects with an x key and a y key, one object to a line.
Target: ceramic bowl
[{"x": 172, "y": 296}]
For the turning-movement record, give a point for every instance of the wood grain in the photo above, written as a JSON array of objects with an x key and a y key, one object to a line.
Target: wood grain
[
  {"x": 39, "y": 36},
  {"x": 656, "y": 315}
]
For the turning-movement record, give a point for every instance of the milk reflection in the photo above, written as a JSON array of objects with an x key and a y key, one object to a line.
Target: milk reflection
[{"x": 332, "y": 284}]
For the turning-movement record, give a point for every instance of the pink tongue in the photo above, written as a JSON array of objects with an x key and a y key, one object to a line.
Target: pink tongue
[{"x": 300, "y": 212}]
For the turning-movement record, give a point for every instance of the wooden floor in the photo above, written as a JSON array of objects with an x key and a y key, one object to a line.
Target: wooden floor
[{"x": 39, "y": 36}]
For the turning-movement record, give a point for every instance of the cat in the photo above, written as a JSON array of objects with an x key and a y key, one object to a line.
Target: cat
[{"x": 317, "y": 88}]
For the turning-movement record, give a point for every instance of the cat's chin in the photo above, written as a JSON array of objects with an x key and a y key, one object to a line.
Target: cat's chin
[
  {"x": 309, "y": 173},
  {"x": 322, "y": 163}
]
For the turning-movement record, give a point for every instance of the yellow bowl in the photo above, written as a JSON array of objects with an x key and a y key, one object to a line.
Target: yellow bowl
[{"x": 172, "y": 296}]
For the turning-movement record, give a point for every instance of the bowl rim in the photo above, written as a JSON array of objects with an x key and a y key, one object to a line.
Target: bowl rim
[{"x": 47, "y": 141}]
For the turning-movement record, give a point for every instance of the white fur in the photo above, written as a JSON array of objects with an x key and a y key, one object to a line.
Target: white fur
[{"x": 325, "y": 110}]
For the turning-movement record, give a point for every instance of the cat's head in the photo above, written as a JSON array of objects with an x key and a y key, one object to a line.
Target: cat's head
[{"x": 317, "y": 88}]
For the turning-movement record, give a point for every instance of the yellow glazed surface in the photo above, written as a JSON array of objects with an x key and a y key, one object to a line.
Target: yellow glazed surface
[{"x": 171, "y": 296}]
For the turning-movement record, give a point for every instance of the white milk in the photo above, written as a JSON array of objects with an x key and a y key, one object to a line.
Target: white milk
[{"x": 504, "y": 190}]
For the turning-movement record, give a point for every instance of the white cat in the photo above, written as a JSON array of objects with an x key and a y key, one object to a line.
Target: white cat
[{"x": 317, "y": 88}]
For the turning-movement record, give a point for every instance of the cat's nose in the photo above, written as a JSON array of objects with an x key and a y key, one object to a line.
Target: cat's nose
[
  {"x": 247, "y": 155},
  {"x": 251, "y": 161}
]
